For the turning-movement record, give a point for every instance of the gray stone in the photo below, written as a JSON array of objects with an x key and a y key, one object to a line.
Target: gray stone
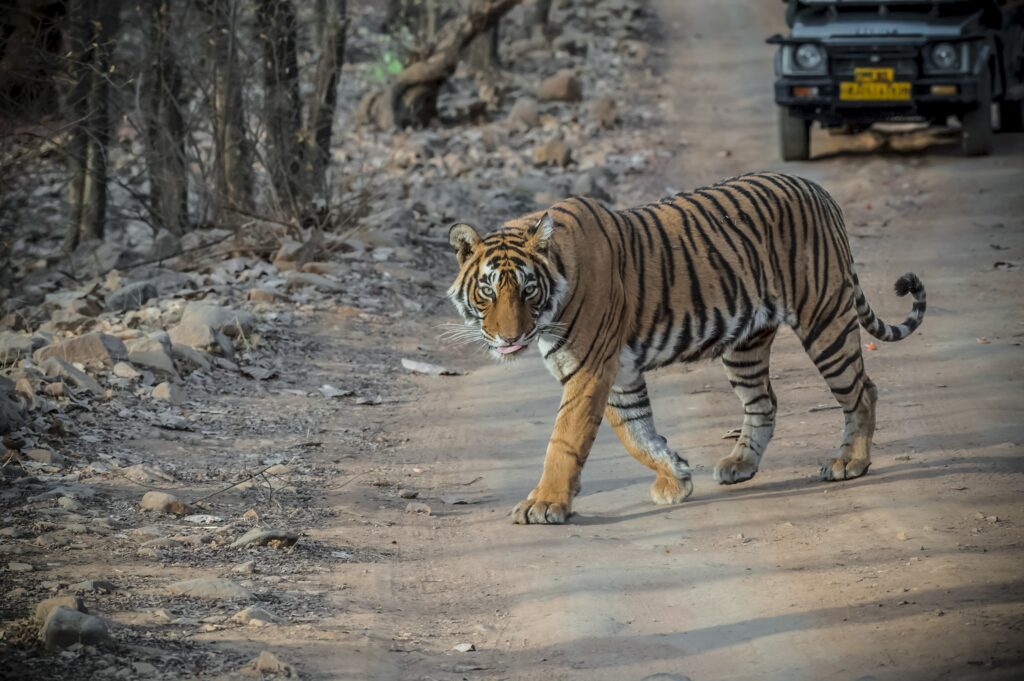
[
  {"x": 564, "y": 86},
  {"x": 261, "y": 537},
  {"x": 592, "y": 183},
  {"x": 228, "y": 321},
  {"x": 12, "y": 414},
  {"x": 56, "y": 367},
  {"x": 43, "y": 608},
  {"x": 165, "y": 245},
  {"x": 162, "y": 502},
  {"x": 168, "y": 392},
  {"x": 213, "y": 588},
  {"x": 188, "y": 358},
  {"x": 91, "y": 348},
  {"x": 14, "y": 346},
  {"x": 64, "y": 627},
  {"x": 126, "y": 370},
  {"x": 15, "y": 566},
  {"x": 131, "y": 297},
  {"x": 524, "y": 114}
]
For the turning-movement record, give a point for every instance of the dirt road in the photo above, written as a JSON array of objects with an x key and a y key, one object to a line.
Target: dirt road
[{"x": 912, "y": 572}]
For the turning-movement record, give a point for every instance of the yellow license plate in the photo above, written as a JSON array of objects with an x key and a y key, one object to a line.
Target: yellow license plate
[{"x": 874, "y": 84}]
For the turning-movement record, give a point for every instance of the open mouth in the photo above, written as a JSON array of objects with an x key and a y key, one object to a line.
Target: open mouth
[{"x": 509, "y": 349}]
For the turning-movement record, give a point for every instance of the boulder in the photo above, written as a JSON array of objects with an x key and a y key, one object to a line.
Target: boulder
[
  {"x": 564, "y": 86},
  {"x": 213, "y": 588},
  {"x": 90, "y": 349},
  {"x": 524, "y": 114},
  {"x": 58, "y": 367},
  {"x": 162, "y": 502},
  {"x": 131, "y": 297},
  {"x": 153, "y": 353},
  {"x": 65, "y": 627},
  {"x": 165, "y": 245},
  {"x": 44, "y": 607}
]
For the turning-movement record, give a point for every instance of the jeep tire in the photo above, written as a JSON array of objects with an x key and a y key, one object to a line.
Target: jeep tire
[
  {"x": 1011, "y": 115},
  {"x": 794, "y": 135},
  {"x": 976, "y": 136}
]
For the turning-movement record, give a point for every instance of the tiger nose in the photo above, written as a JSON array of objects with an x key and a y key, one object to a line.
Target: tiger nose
[{"x": 508, "y": 340}]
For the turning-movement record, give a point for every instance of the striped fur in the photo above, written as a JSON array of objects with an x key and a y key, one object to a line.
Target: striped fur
[{"x": 611, "y": 294}]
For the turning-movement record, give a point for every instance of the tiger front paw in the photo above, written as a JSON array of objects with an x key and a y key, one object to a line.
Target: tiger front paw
[{"x": 541, "y": 512}]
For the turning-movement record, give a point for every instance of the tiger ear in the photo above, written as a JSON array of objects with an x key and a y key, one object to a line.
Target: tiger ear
[
  {"x": 463, "y": 238},
  {"x": 539, "y": 235}
]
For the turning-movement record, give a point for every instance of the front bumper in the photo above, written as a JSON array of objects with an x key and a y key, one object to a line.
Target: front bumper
[{"x": 826, "y": 107}]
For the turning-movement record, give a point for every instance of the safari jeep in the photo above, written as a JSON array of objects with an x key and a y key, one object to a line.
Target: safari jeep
[{"x": 848, "y": 64}]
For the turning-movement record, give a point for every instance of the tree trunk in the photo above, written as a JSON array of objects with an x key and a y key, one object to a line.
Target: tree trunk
[
  {"x": 282, "y": 104},
  {"x": 232, "y": 148},
  {"x": 165, "y": 129},
  {"x": 411, "y": 100},
  {"x": 333, "y": 23},
  {"x": 93, "y": 24}
]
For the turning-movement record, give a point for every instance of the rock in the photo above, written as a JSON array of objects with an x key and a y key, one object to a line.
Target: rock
[
  {"x": 330, "y": 392},
  {"x": 69, "y": 503},
  {"x": 524, "y": 114},
  {"x": 126, "y": 370},
  {"x": 64, "y": 627},
  {"x": 213, "y": 588},
  {"x": 332, "y": 269},
  {"x": 418, "y": 507},
  {"x": 318, "y": 281},
  {"x": 246, "y": 568},
  {"x": 464, "y": 648},
  {"x": 97, "y": 349},
  {"x": 165, "y": 245},
  {"x": 14, "y": 346},
  {"x": 19, "y": 567},
  {"x": 56, "y": 389},
  {"x": 255, "y": 617},
  {"x": 162, "y": 502},
  {"x": 98, "y": 585},
  {"x": 140, "y": 472},
  {"x": 264, "y": 295},
  {"x": 189, "y": 358},
  {"x": 591, "y": 184},
  {"x": 12, "y": 413},
  {"x": 260, "y": 537},
  {"x": 552, "y": 152},
  {"x": 95, "y": 257},
  {"x": 407, "y": 494},
  {"x": 43, "y": 608},
  {"x": 605, "y": 111},
  {"x": 131, "y": 297},
  {"x": 201, "y": 336},
  {"x": 427, "y": 368},
  {"x": 45, "y": 456},
  {"x": 564, "y": 86},
  {"x": 55, "y": 366},
  {"x": 267, "y": 663},
  {"x": 153, "y": 353},
  {"x": 168, "y": 392},
  {"x": 230, "y": 322}
]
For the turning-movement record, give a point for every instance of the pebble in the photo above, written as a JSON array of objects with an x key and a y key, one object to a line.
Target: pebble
[
  {"x": 162, "y": 502},
  {"x": 262, "y": 537},
  {"x": 418, "y": 507},
  {"x": 407, "y": 493},
  {"x": 464, "y": 648},
  {"x": 65, "y": 627},
  {"x": 213, "y": 588}
]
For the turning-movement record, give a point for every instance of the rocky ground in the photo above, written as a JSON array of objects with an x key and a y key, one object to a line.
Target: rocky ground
[{"x": 195, "y": 427}]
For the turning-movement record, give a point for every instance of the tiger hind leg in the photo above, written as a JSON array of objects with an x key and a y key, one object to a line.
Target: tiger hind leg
[
  {"x": 747, "y": 366},
  {"x": 629, "y": 413},
  {"x": 836, "y": 352}
]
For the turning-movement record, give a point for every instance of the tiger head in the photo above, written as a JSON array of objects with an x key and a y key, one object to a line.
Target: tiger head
[{"x": 507, "y": 289}]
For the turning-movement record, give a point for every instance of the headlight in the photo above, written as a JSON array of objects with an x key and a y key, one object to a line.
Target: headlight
[
  {"x": 947, "y": 58},
  {"x": 809, "y": 57},
  {"x": 944, "y": 56}
]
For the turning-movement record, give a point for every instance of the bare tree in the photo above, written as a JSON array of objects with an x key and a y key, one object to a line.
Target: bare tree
[
  {"x": 165, "y": 128},
  {"x": 93, "y": 25},
  {"x": 411, "y": 99},
  {"x": 332, "y": 20},
  {"x": 233, "y": 151}
]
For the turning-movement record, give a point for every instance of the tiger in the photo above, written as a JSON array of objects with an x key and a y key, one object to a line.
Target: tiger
[{"x": 609, "y": 295}]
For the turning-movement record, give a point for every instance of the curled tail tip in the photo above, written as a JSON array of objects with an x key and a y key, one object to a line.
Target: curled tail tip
[{"x": 909, "y": 283}]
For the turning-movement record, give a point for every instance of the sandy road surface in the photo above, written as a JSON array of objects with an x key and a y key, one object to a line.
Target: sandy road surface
[{"x": 897, "y": 575}]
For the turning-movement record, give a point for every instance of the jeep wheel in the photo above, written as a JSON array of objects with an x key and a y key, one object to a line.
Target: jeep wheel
[
  {"x": 977, "y": 130},
  {"x": 1011, "y": 115},
  {"x": 794, "y": 136}
]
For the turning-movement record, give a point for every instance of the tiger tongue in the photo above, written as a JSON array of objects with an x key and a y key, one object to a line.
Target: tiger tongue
[{"x": 508, "y": 349}]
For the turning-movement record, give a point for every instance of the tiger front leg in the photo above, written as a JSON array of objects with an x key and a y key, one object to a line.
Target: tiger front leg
[{"x": 583, "y": 398}]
